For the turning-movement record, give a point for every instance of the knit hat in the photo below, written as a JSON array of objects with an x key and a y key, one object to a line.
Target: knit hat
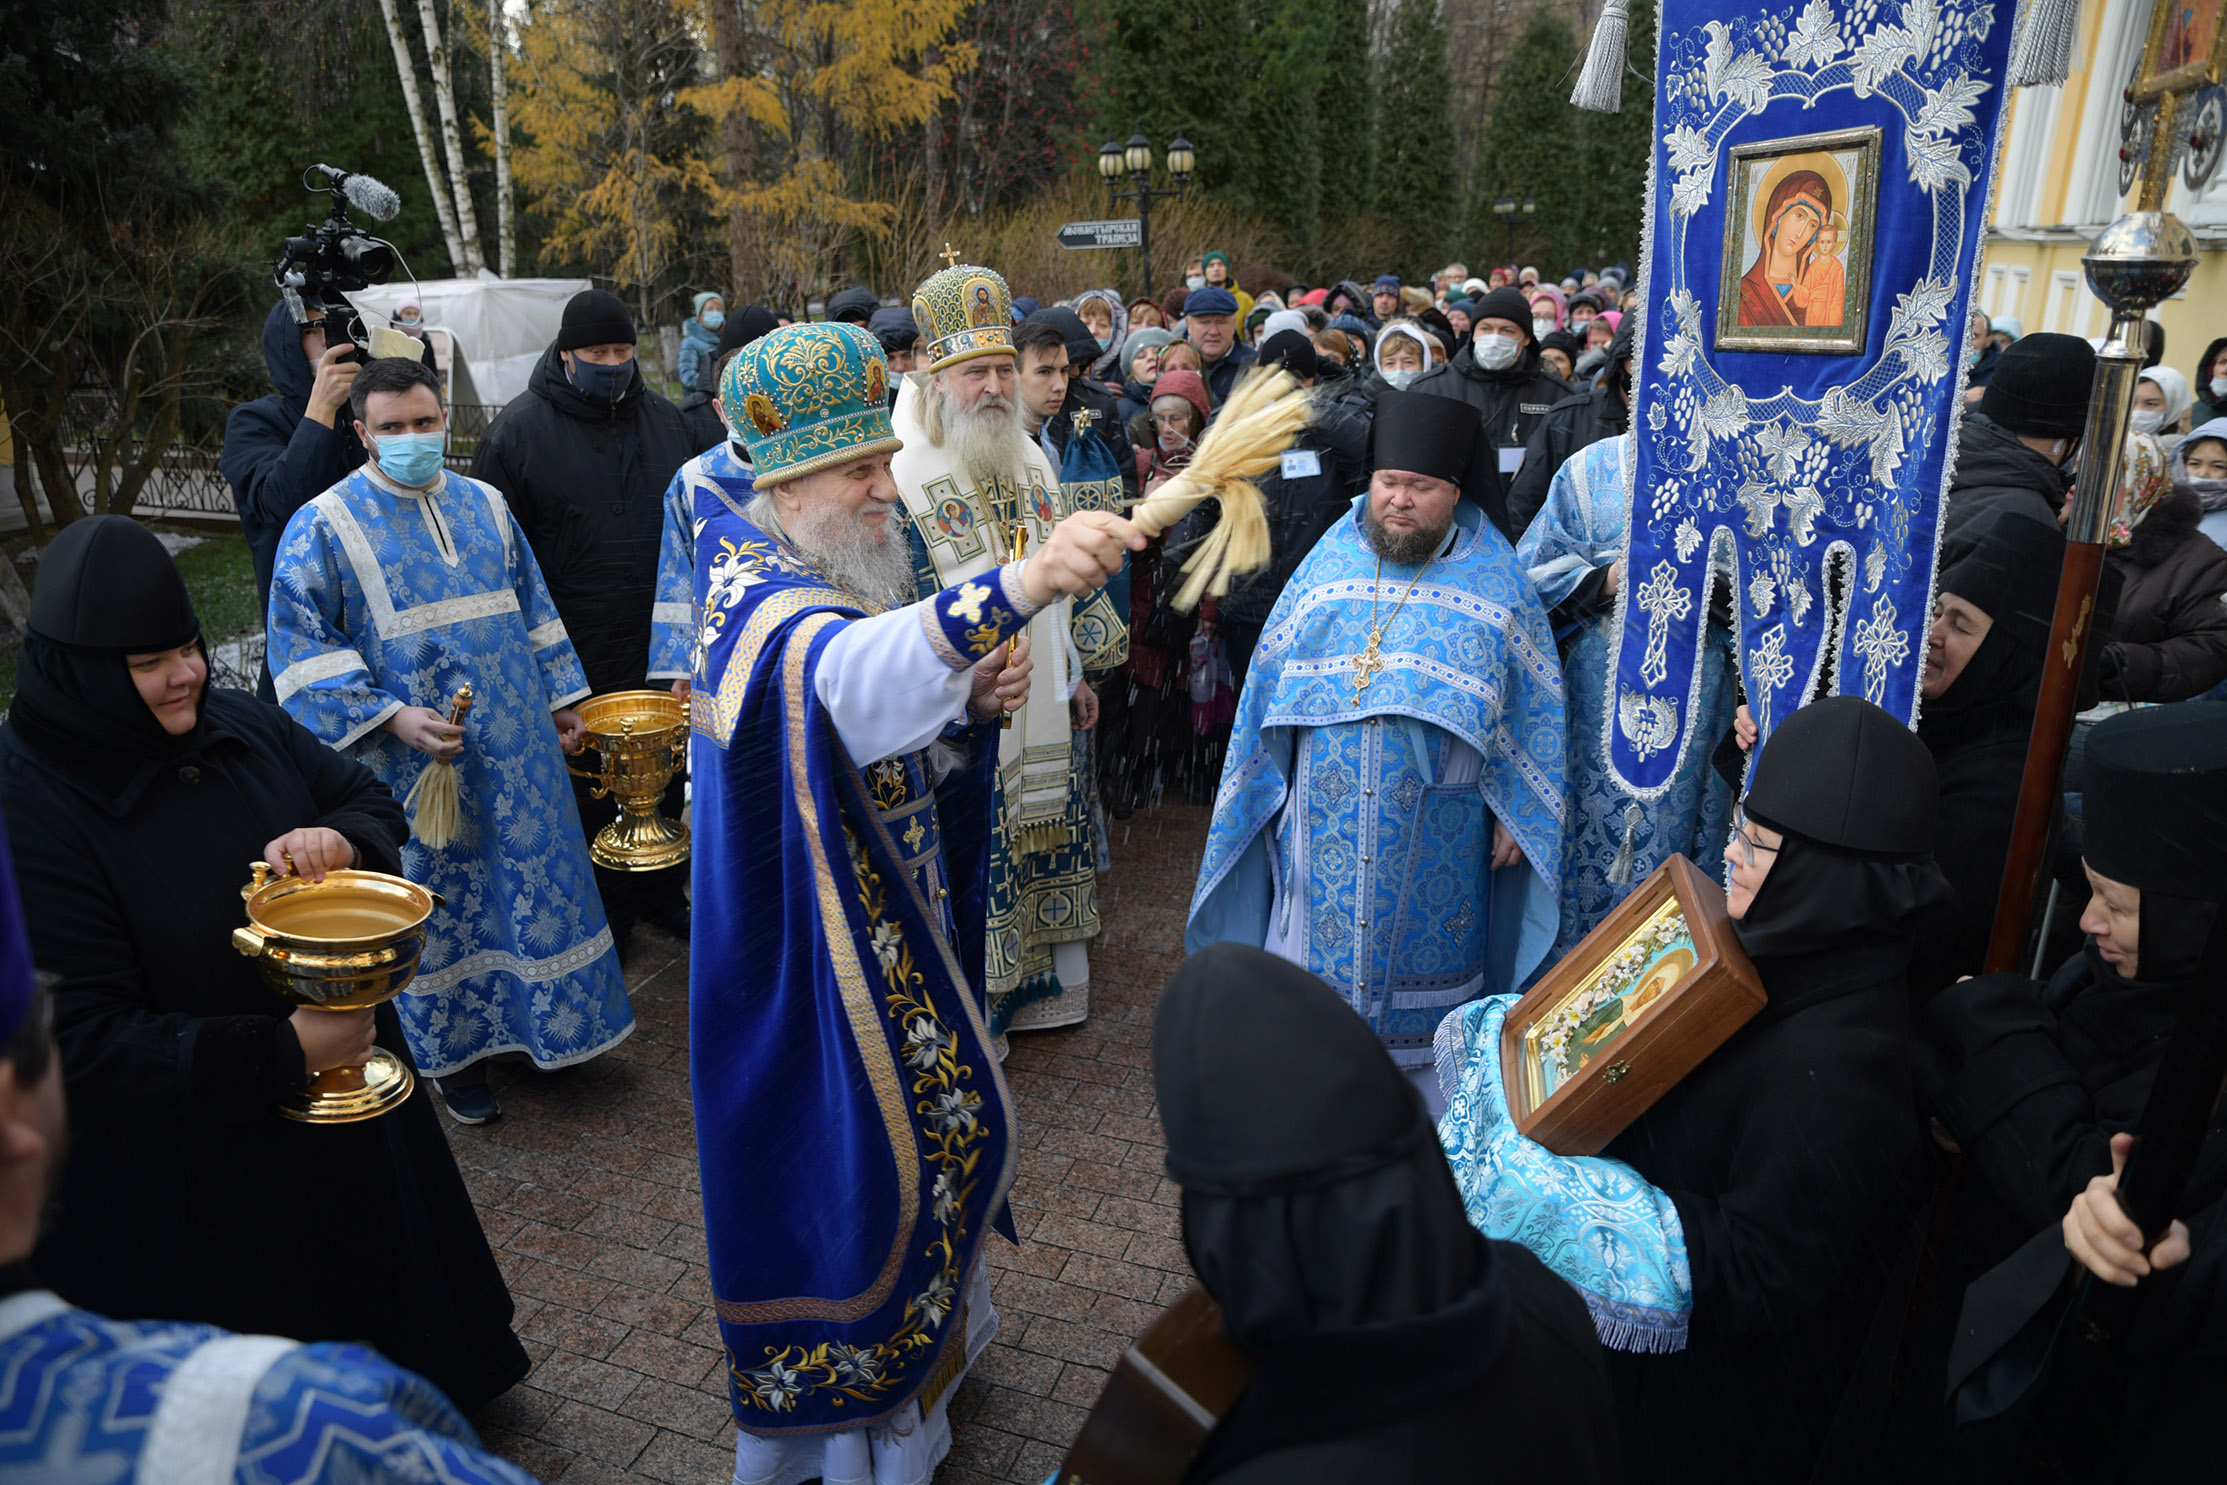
[
  {"x": 1189, "y": 386},
  {"x": 1282, "y": 320},
  {"x": 1172, "y": 302},
  {"x": 744, "y": 326},
  {"x": 2010, "y": 325},
  {"x": 1150, "y": 338},
  {"x": 1293, "y": 351},
  {"x": 1215, "y": 255},
  {"x": 1386, "y": 281},
  {"x": 1210, "y": 301},
  {"x": 964, "y": 312},
  {"x": 1502, "y": 304},
  {"x": 809, "y": 397},
  {"x": 1474, "y": 288},
  {"x": 2041, "y": 385},
  {"x": 595, "y": 317},
  {"x": 696, "y": 305}
]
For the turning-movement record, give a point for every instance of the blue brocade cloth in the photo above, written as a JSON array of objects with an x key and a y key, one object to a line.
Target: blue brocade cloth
[
  {"x": 1816, "y": 213},
  {"x": 1612, "y": 1237},
  {"x": 382, "y": 600},
  {"x": 87, "y": 1399},
  {"x": 853, "y": 1128},
  {"x": 1613, "y": 841},
  {"x": 1400, "y": 910},
  {"x": 717, "y": 480}
]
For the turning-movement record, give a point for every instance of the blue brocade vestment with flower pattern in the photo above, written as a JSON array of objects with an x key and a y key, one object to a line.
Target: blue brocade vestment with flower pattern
[
  {"x": 698, "y": 489},
  {"x": 1353, "y": 829},
  {"x": 854, "y": 1130},
  {"x": 1613, "y": 841},
  {"x": 384, "y": 598},
  {"x": 87, "y": 1399}
]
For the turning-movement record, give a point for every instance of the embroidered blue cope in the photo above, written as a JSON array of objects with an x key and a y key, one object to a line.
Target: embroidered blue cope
[
  {"x": 1398, "y": 908},
  {"x": 705, "y": 484},
  {"x": 854, "y": 1130},
  {"x": 1611, "y": 842},
  {"x": 1796, "y": 458},
  {"x": 84, "y": 1398}
]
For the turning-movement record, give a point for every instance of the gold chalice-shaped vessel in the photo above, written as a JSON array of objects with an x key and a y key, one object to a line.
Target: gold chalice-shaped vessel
[
  {"x": 347, "y": 943},
  {"x": 640, "y": 735}
]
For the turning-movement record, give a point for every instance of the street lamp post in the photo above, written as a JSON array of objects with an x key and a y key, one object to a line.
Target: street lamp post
[
  {"x": 1508, "y": 208},
  {"x": 1135, "y": 158}
]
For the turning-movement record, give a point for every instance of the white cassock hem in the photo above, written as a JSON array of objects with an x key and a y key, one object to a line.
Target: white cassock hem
[{"x": 903, "y": 1450}]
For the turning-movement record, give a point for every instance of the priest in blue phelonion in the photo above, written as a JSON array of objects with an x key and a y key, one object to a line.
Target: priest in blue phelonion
[
  {"x": 87, "y": 1398},
  {"x": 393, "y": 589},
  {"x": 1390, "y": 815},
  {"x": 855, "y": 1133}
]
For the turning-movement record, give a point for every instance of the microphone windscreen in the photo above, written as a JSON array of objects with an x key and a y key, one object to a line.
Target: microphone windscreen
[{"x": 372, "y": 197}]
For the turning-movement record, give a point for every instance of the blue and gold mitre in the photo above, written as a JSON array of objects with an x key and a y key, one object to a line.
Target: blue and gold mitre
[
  {"x": 808, "y": 397},
  {"x": 963, "y": 312}
]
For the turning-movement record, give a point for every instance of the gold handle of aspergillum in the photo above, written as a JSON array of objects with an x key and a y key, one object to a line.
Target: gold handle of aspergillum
[{"x": 1020, "y": 550}]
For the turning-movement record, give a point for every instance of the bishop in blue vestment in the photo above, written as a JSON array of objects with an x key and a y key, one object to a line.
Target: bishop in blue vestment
[
  {"x": 855, "y": 1133},
  {"x": 1612, "y": 840},
  {"x": 1390, "y": 815},
  {"x": 393, "y": 589}
]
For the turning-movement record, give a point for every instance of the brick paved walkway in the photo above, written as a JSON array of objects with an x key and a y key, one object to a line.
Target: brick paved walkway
[{"x": 587, "y": 1186}]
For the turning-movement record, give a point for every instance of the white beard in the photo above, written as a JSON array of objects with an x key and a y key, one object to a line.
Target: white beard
[
  {"x": 986, "y": 443},
  {"x": 873, "y": 565}
]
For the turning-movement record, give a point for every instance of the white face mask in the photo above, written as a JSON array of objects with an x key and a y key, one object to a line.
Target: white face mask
[
  {"x": 1194, "y": 281},
  {"x": 2219, "y": 389},
  {"x": 1400, "y": 379},
  {"x": 2146, "y": 420},
  {"x": 1541, "y": 329},
  {"x": 1495, "y": 352}
]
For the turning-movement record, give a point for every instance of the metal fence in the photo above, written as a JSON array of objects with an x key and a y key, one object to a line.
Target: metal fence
[{"x": 185, "y": 480}]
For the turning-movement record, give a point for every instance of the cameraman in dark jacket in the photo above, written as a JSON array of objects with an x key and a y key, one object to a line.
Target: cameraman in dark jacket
[
  {"x": 284, "y": 450},
  {"x": 1499, "y": 374},
  {"x": 1306, "y": 494},
  {"x": 1600, "y": 411},
  {"x": 584, "y": 458}
]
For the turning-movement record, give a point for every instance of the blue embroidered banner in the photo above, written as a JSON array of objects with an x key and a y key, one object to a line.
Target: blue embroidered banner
[{"x": 1817, "y": 205}]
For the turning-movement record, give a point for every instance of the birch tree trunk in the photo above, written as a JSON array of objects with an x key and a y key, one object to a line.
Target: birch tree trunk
[
  {"x": 452, "y": 139},
  {"x": 408, "y": 72},
  {"x": 498, "y": 57}
]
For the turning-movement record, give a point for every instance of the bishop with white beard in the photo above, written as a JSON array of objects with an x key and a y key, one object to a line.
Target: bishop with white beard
[{"x": 974, "y": 486}]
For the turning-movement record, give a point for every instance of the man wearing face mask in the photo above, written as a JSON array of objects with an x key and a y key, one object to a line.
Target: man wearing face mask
[
  {"x": 584, "y": 459},
  {"x": 2015, "y": 450},
  {"x": 1499, "y": 374}
]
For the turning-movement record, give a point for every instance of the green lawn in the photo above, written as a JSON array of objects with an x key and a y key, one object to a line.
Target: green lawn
[{"x": 219, "y": 574}]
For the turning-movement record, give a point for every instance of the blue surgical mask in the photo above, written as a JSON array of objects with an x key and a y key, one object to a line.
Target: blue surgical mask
[
  {"x": 714, "y": 318},
  {"x": 410, "y": 458},
  {"x": 605, "y": 382},
  {"x": 1103, "y": 341}
]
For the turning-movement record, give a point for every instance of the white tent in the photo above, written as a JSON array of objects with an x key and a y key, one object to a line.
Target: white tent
[{"x": 500, "y": 325}]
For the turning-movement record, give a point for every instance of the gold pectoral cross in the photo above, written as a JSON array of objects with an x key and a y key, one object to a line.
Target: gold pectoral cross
[{"x": 1366, "y": 665}]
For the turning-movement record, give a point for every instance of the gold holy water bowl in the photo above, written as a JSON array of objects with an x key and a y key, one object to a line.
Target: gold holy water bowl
[
  {"x": 347, "y": 943},
  {"x": 640, "y": 735}
]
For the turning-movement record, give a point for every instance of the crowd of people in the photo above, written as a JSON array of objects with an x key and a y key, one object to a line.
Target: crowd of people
[{"x": 894, "y": 560}]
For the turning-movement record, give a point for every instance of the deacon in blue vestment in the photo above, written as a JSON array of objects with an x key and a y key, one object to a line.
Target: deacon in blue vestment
[
  {"x": 88, "y": 1399},
  {"x": 1573, "y": 556},
  {"x": 1390, "y": 816},
  {"x": 855, "y": 1134},
  {"x": 394, "y": 588}
]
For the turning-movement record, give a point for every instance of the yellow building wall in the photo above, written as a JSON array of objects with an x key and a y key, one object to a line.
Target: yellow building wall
[{"x": 2192, "y": 320}]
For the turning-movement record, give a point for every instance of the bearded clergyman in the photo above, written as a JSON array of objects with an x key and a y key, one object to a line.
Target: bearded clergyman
[
  {"x": 978, "y": 491},
  {"x": 1390, "y": 814},
  {"x": 854, "y": 1130}
]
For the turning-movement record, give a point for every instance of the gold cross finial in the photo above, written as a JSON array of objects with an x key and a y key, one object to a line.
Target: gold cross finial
[{"x": 949, "y": 255}]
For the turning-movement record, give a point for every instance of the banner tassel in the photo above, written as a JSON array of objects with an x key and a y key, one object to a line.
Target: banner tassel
[
  {"x": 1620, "y": 870},
  {"x": 2041, "y": 55},
  {"x": 1600, "y": 87}
]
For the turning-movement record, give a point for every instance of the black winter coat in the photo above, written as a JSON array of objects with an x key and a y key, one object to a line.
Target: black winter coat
[
  {"x": 186, "y": 1195},
  {"x": 699, "y": 413},
  {"x": 1221, "y": 377},
  {"x": 1584, "y": 418},
  {"x": 1790, "y": 1154},
  {"x": 1995, "y": 473},
  {"x": 1513, "y": 403},
  {"x": 1300, "y": 508},
  {"x": 586, "y": 479},
  {"x": 2169, "y": 637},
  {"x": 275, "y": 459}
]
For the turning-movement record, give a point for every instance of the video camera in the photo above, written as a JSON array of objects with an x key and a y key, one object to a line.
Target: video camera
[{"x": 329, "y": 261}]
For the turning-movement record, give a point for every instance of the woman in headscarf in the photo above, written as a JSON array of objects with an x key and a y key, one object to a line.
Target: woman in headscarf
[
  {"x": 1548, "y": 309},
  {"x": 2168, "y": 640},
  {"x": 1107, "y": 319},
  {"x": 2161, "y": 404},
  {"x": 1140, "y": 368},
  {"x": 1404, "y": 351},
  {"x": 1780, "y": 1171},
  {"x": 1394, "y": 1344},
  {"x": 1145, "y": 314},
  {"x": 2200, "y": 462},
  {"x": 136, "y": 796},
  {"x": 1982, "y": 679}
]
